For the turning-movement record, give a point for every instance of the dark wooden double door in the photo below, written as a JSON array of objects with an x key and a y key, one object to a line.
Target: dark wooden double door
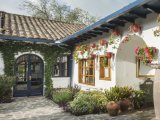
[{"x": 29, "y": 76}]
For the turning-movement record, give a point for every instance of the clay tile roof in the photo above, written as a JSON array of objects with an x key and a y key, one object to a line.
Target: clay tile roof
[{"x": 32, "y": 27}]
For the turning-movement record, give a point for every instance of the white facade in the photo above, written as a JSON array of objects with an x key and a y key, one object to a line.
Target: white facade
[
  {"x": 61, "y": 82},
  {"x": 123, "y": 64}
]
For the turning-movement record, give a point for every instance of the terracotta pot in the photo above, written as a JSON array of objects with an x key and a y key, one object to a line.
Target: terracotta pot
[
  {"x": 109, "y": 54},
  {"x": 93, "y": 55},
  {"x": 113, "y": 108},
  {"x": 115, "y": 33},
  {"x": 103, "y": 42},
  {"x": 135, "y": 28},
  {"x": 124, "y": 105},
  {"x": 126, "y": 39},
  {"x": 93, "y": 45}
]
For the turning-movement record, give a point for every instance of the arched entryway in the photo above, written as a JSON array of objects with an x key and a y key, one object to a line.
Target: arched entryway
[
  {"x": 29, "y": 71},
  {"x": 126, "y": 63}
]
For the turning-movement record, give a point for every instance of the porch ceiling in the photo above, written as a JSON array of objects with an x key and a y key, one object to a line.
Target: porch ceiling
[{"x": 137, "y": 9}]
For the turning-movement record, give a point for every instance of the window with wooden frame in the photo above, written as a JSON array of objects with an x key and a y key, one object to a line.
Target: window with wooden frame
[
  {"x": 87, "y": 72},
  {"x": 105, "y": 68}
]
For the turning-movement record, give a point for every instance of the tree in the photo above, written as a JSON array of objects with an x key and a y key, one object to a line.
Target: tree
[{"x": 52, "y": 9}]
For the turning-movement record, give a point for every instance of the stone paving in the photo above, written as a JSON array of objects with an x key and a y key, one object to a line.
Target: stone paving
[{"x": 40, "y": 108}]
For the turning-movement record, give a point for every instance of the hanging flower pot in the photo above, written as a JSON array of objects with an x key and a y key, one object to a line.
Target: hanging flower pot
[
  {"x": 93, "y": 45},
  {"x": 126, "y": 39},
  {"x": 109, "y": 54},
  {"x": 93, "y": 56},
  {"x": 116, "y": 32},
  {"x": 103, "y": 42},
  {"x": 145, "y": 54},
  {"x": 135, "y": 28},
  {"x": 80, "y": 53}
]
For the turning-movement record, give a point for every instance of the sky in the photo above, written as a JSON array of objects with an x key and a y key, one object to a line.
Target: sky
[{"x": 98, "y": 8}]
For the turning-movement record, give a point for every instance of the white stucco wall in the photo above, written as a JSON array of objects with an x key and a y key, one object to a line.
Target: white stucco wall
[
  {"x": 123, "y": 69},
  {"x": 61, "y": 82},
  {"x": 1, "y": 64}
]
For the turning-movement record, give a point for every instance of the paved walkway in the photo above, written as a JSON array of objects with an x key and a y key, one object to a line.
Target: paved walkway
[{"x": 39, "y": 108}]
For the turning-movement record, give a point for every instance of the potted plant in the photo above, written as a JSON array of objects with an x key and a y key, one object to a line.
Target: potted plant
[
  {"x": 114, "y": 34},
  {"x": 124, "y": 104},
  {"x": 93, "y": 55},
  {"x": 135, "y": 28},
  {"x": 145, "y": 54},
  {"x": 126, "y": 39},
  {"x": 112, "y": 108},
  {"x": 103, "y": 42},
  {"x": 105, "y": 61},
  {"x": 93, "y": 45},
  {"x": 109, "y": 54},
  {"x": 80, "y": 52}
]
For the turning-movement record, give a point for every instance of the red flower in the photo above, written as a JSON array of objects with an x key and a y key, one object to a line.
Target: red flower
[
  {"x": 136, "y": 50},
  {"x": 81, "y": 53},
  {"x": 146, "y": 50}
]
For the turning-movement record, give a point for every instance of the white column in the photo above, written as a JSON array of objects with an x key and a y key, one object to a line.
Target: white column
[{"x": 156, "y": 94}]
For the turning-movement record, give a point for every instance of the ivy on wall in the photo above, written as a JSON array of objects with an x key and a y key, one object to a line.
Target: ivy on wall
[{"x": 50, "y": 53}]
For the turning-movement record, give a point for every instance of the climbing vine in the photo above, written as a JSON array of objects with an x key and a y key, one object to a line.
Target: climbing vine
[{"x": 50, "y": 53}]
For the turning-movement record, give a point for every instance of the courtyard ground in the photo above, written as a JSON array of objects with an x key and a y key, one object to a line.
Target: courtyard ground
[{"x": 40, "y": 108}]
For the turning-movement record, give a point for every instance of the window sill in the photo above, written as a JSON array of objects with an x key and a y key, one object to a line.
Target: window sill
[
  {"x": 87, "y": 84},
  {"x": 106, "y": 79}
]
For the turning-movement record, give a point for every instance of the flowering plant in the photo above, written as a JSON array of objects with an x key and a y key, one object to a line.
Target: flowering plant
[
  {"x": 126, "y": 38},
  {"x": 135, "y": 28},
  {"x": 115, "y": 33},
  {"x": 80, "y": 50},
  {"x": 145, "y": 54}
]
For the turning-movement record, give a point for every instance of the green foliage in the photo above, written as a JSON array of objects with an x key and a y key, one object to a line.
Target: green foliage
[
  {"x": 55, "y": 10},
  {"x": 50, "y": 53},
  {"x": 118, "y": 93},
  {"x": 88, "y": 102},
  {"x": 6, "y": 83},
  {"x": 62, "y": 96},
  {"x": 82, "y": 104},
  {"x": 100, "y": 100},
  {"x": 74, "y": 90},
  {"x": 138, "y": 98}
]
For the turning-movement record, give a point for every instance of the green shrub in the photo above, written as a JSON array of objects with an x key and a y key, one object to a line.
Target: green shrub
[
  {"x": 138, "y": 98},
  {"x": 6, "y": 83},
  {"x": 74, "y": 90},
  {"x": 100, "y": 99},
  {"x": 62, "y": 96},
  {"x": 82, "y": 104},
  {"x": 118, "y": 93},
  {"x": 88, "y": 102}
]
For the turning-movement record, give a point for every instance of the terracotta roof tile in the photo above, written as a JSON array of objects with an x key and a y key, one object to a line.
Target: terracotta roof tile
[{"x": 31, "y": 27}]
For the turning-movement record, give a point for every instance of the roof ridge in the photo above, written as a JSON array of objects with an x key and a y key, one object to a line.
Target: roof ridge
[{"x": 42, "y": 18}]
